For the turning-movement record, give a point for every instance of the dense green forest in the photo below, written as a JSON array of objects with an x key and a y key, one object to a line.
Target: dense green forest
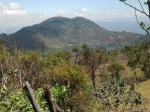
[{"x": 81, "y": 80}]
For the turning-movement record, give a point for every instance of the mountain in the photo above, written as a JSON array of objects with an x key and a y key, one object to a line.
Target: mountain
[{"x": 60, "y": 32}]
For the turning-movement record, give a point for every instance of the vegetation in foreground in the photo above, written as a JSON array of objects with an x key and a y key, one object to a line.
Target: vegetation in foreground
[{"x": 82, "y": 80}]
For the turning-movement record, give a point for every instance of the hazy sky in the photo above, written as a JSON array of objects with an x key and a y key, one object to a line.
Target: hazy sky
[{"x": 15, "y": 14}]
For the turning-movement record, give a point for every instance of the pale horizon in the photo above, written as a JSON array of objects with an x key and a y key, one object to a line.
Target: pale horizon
[{"x": 20, "y": 13}]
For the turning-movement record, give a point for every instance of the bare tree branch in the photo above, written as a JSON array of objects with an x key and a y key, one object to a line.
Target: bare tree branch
[
  {"x": 148, "y": 2},
  {"x": 136, "y": 8},
  {"x": 141, "y": 11},
  {"x": 141, "y": 5}
]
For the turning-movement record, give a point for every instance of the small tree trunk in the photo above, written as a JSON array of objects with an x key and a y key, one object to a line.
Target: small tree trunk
[
  {"x": 50, "y": 101},
  {"x": 75, "y": 61},
  {"x": 31, "y": 97},
  {"x": 93, "y": 77}
]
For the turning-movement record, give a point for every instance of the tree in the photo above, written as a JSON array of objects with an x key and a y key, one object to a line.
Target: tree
[
  {"x": 115, "y": 68},
  {"x": 91, "y": 59},
  {"x": 76, "y": 50},
  {"x": 139, "y": 56},
  {"x": 146, "y": 28}
]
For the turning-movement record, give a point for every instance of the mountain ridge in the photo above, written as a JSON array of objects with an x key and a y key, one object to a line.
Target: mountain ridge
[{"x": 59, "y": 32}]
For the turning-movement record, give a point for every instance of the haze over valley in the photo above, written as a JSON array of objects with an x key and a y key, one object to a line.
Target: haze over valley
[{"x": 57, "y": 32}]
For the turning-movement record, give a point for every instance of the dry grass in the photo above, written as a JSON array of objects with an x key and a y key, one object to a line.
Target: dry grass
[{"x": 144, "y": 89}]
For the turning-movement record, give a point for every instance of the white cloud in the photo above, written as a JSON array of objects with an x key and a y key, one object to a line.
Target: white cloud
[
  {"x": 84, "y": 10},
  {"x": 2, "y": 6},
  {"x": 11, "y": 9},
  {"x": 14, "y": 6},
  {"x": 13, "y": 16},
  {"x": 14, "y": 12},
  {"x": 12, "y": 23}
]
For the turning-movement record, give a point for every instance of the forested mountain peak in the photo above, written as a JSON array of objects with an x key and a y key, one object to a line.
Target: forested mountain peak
[{"x": 59, "y": 32}]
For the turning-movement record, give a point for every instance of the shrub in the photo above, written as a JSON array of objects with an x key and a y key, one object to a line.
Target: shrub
[{"x": 72, "y": 77}]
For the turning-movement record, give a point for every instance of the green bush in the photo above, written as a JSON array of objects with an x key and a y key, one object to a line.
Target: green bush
[
  {"x": 72, "y": 79},
  {"x": 117, "y": 97}
]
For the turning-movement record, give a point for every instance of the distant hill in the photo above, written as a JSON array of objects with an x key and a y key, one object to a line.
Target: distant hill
[{"x": 60, "y": 32}]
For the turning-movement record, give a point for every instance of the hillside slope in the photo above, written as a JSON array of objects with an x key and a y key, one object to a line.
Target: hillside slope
[{"x": 59, "y": 32}]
